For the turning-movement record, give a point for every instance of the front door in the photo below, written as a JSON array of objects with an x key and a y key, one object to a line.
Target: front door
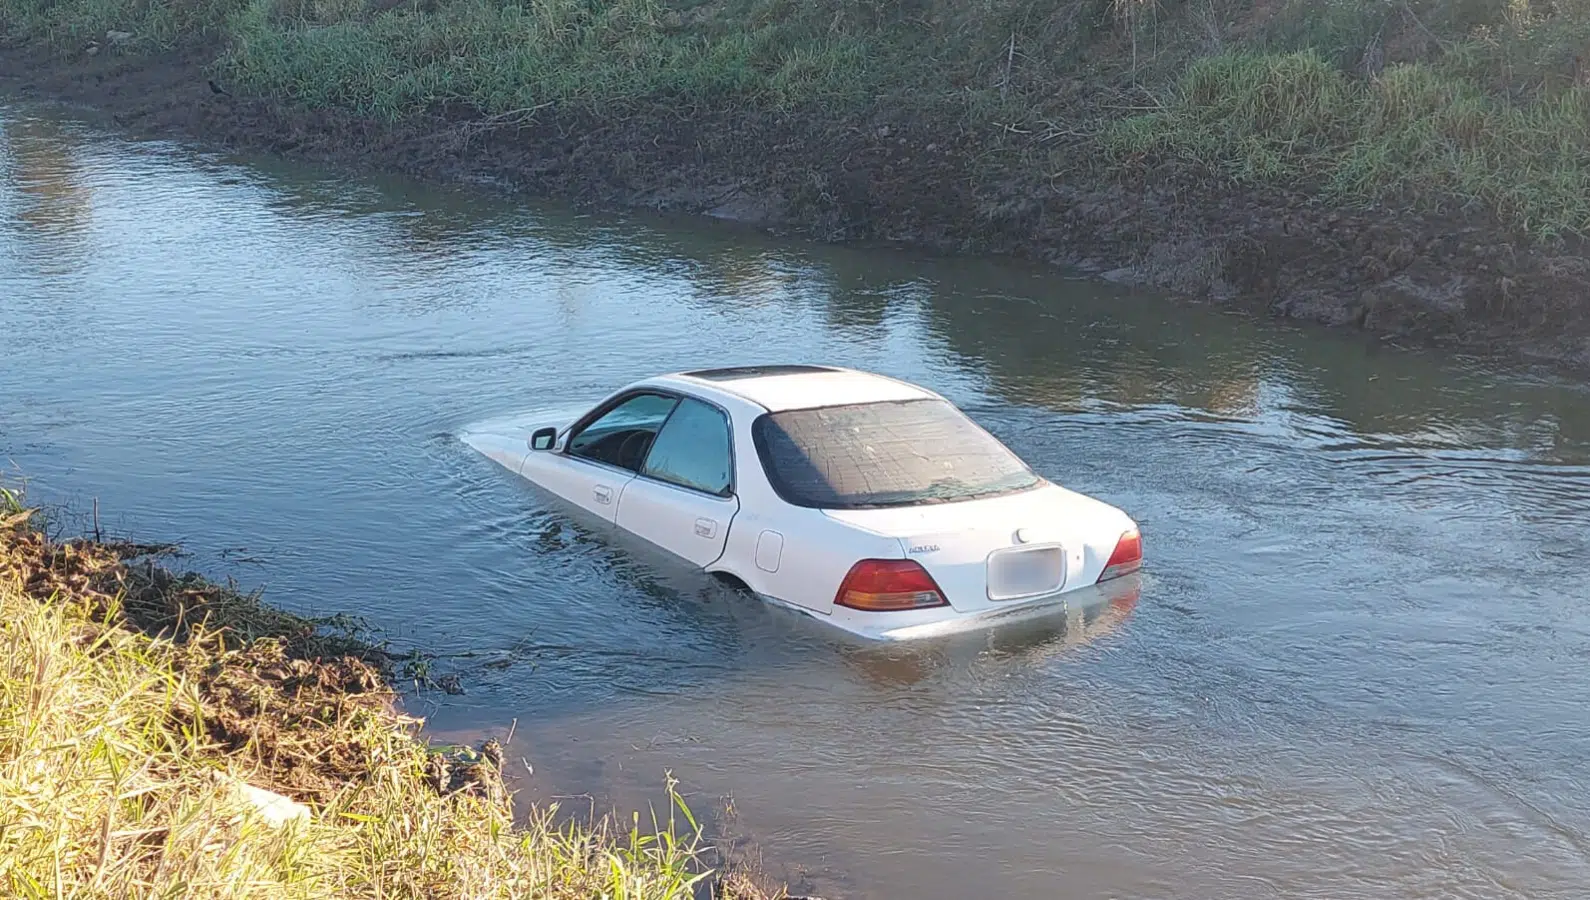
[
  {"x": 683, "y": 501},
  {"x": 601, "y": 457}
]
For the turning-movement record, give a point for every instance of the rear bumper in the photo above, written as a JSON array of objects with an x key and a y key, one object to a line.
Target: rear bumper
[{"x": 940, "y": 621}]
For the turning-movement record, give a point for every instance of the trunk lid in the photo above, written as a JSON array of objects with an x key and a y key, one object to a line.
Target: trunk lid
[{"x": 973, "y": 551}]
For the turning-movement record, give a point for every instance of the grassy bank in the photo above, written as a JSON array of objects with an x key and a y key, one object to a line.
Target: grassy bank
[
  {"x": 1414, "y": 133},
  {"x": 1427, "y": 103},
  {"x": 139, "y": 710}
]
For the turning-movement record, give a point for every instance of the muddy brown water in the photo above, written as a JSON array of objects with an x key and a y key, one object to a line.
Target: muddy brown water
[{"x": 1357, "y": 665}]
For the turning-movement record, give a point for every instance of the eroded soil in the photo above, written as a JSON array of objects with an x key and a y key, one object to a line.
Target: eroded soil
[{"x": 1456, "y": 280}]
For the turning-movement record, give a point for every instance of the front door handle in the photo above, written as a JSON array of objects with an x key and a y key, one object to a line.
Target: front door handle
[{"x": 602, "y": 493}]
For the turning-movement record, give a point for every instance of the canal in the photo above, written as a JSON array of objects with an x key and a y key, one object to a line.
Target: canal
[{"x": 1355, "y": 667}]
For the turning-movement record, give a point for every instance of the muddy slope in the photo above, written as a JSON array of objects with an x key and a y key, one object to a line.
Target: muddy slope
[{"x": 1453, "y": 280}]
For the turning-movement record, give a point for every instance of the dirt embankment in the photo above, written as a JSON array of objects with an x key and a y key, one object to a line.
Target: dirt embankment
[
  {"x": 284, "y": 694},
  {"x": 1459, "y": 280},
  {"x": 168, "y": 735}
]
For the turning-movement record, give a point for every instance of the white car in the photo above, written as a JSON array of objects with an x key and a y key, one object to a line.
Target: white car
[{"x": 867, "y": 502}]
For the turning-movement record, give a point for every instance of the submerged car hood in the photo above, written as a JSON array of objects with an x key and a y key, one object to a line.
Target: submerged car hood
[{"x": 505, "y": 438}]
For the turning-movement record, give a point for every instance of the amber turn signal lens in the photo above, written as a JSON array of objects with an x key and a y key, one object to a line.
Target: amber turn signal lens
[
  {"x": 889, "y": 585},
  {"x": 1127, "y": 558}
]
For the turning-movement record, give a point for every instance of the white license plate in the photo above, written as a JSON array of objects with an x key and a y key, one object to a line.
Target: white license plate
[{"x": 1025, "y": 572}]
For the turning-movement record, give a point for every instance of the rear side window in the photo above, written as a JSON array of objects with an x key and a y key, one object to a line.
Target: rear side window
[
  {"x": 692, "y": 449},
  {"x": 871, "y": 455}
]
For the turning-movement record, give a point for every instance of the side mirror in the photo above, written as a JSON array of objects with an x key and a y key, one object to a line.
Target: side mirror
[{"x": 543, "y": 438}]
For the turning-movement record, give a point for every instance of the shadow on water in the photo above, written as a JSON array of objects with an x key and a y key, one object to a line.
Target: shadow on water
[{"x": 1071, "y": 348}]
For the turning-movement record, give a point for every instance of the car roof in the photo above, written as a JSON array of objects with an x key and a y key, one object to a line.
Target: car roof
[{"x": 785, "y": 387}]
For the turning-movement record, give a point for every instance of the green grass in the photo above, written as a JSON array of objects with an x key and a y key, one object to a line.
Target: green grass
[
  {"x": 153, "y": 24},
  {"x": 496, "y": 58},
  {"x": 120, "y": 753},
  {"x": 1414, "y": 133}
]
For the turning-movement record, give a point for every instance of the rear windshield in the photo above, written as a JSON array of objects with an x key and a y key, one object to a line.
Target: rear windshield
[{"x": 871, "y": 455}]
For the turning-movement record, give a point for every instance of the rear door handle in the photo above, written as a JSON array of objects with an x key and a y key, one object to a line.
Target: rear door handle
[
  {"x": 706, "y": 527},
  {"x": 602, "y": 493}
]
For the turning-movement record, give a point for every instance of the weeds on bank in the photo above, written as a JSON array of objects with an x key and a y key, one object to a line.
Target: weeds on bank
[
  {"x": 74, "y": 25},
  {"x": 1411, "y": 132},
  {"x": 134, "y": 705},
  {"x": 388, "y": 59},
  {"x": 497, "y": 58},
  {"x": 1438, "y": 103},
  {"x": 1451, "y": 101}
]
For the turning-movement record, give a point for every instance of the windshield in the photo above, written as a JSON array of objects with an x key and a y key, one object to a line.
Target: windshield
[{"x": 871, "y": 455}]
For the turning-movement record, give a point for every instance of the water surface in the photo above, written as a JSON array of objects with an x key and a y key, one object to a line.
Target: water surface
[{"x": 1356, "y": 666}]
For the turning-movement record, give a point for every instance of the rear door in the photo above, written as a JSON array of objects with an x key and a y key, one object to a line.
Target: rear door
[
  {"x": 684, "y": 501},
  {"x": 602, "y": 456}
]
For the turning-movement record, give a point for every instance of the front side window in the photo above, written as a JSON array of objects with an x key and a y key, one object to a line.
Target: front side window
[
  {"x": 623, "y": 435},
  {"x": 693, "y": 449},
  {"x": 872, "y": 455}
]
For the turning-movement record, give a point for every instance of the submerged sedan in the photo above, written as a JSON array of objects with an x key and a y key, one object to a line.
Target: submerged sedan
[{"x": 867, "y": 502}]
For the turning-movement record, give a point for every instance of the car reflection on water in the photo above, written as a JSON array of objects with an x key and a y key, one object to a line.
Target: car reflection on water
[{"x": 1046, "y": 634}]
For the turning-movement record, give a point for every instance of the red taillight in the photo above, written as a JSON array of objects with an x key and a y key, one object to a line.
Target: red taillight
[
  {"x": 884, "y": 585},
  {"x": 1127, "y": 558}
]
